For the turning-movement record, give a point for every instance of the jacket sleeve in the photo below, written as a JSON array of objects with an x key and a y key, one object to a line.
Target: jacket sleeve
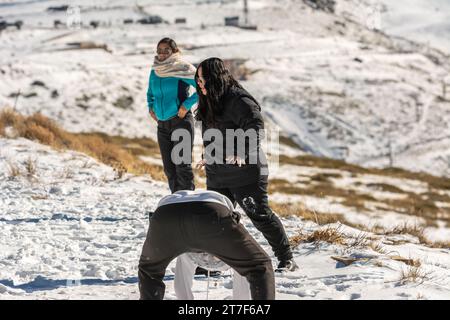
[
  {"x": 246, "y": 114},
  {"x": 150, "y": 96},
  {"x": 193, "y": 99}
]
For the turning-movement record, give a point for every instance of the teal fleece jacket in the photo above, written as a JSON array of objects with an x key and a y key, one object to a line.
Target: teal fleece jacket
[{"x": 163, "y": 95}]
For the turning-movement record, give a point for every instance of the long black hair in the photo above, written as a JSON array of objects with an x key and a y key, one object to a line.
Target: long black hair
[{"x": 218, "y": 81}]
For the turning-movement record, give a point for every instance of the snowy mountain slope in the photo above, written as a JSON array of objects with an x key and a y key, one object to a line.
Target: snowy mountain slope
[
  {"x": 424, "y": 21},
  {"x": 79, "y": 236},
  {"x": 326, "y": 81},
  {"x": 352, "y": 93}
]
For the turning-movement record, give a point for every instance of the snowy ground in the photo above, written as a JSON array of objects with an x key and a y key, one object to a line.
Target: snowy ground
[{"x": 76, "y": 232}]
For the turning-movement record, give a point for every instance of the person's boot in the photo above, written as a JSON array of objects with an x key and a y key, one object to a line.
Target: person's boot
[{"x": 286, "y": 265}]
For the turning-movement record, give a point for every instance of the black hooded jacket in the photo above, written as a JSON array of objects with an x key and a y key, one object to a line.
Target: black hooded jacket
[{"x": 240, "y": 111}]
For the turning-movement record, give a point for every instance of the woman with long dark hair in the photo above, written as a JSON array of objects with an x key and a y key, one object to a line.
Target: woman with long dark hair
[
  {"x": 169, "y": 104},
  {"x": 225, "y": 106}
]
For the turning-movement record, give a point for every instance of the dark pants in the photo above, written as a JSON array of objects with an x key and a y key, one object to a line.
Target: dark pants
[
  {"x": 254, "y": 201},
  {"x": 179, "y": 176},
  {"x": 202, "y": 227}
]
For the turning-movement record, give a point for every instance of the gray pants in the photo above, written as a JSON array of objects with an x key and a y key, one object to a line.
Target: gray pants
[{"x": 202, "y": 227}]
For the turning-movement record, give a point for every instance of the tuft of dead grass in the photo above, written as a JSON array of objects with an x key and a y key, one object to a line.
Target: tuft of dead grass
[
  {"x": 405, "y": 228},
  {"x": 414, "y": 230},
  {"x": 329, "y": 234},
  {"x": 324, "y": 177},
  {"x": 377, "y": 247},
  {"x": 360, "y": 241},
  {"x": 295, "y": 240},
  {"x": 31, "y": 167},
  {"x": 8, "y": 118},
  {"x": 414, "y": 274},
  {"x": 13, "y": 170}
]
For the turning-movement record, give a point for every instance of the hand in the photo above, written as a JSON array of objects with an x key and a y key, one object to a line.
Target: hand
[
  {"x": 152, "y": 114},
  {"x": 235, "y": 160},
  {"x": 182, "y": 112},
  {"x": 200, "y": 164}
]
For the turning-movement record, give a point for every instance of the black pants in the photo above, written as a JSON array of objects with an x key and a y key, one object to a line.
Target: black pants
[
  {"x": 202, "y": 227},
  {"x": 254, "y": 201},
  {"x": 180, "y": 176}
]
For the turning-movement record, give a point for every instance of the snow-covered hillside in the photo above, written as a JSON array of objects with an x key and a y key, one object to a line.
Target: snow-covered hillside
[
  {"x": 70, "y": 229},
  {"x": 419, "y": 20},
  {"x": 336, "y": 87}
]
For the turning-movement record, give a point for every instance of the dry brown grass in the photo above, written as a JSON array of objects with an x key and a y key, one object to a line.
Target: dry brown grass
[
  {"x": 324, "y": 163},
  {"x": 363, "y": 239},
  {"x": 8, "y": 118},
  {"x": 118, "y": 152},
  {"x": 329, "y": 234},
  {"x": 360, "y": 241},
  {"x": 414, "y": 274},
  {"x": 299, "y": 210},
  {"x": 135, "y": 146},
  {"x": 39, "y": 197},
  {"x": 377, "y": 247},
  {"x": 2, "y": 124},
  {"x": 289, "y": 142},
  {"x": 319, "y": 189},
  {"x": 295, "y": 241},
  {"x": 438, "y": 244},
  {"x": 31, "y": 167},
  {"x": 324, "y": 177},
  {"x": 13, "y": 170},
  {"x": 321, "y": 218},
  {"x": 412, "y": 229},
  {"x": 420, "y": 296},
  {"x": 385, "y": 187},
  {"x": 312, "y": 161},
  {"x": 418, "y": 231},
  {"x": 435, "y": 196},
  {"x": 420, "y": 205}
]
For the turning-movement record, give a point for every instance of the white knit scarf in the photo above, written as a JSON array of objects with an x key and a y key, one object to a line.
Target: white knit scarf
[{"x": 174, "y": 66}]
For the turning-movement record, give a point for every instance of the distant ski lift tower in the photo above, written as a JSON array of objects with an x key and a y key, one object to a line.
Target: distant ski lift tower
[{"x": 246, "y": 12}]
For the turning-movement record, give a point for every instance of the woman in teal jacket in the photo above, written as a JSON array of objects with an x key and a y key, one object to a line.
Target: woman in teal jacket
[{"x": 170, "y": 105}]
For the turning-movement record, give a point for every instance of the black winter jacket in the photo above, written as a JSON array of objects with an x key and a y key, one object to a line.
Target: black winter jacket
[{"x": 240, "y": 111}]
